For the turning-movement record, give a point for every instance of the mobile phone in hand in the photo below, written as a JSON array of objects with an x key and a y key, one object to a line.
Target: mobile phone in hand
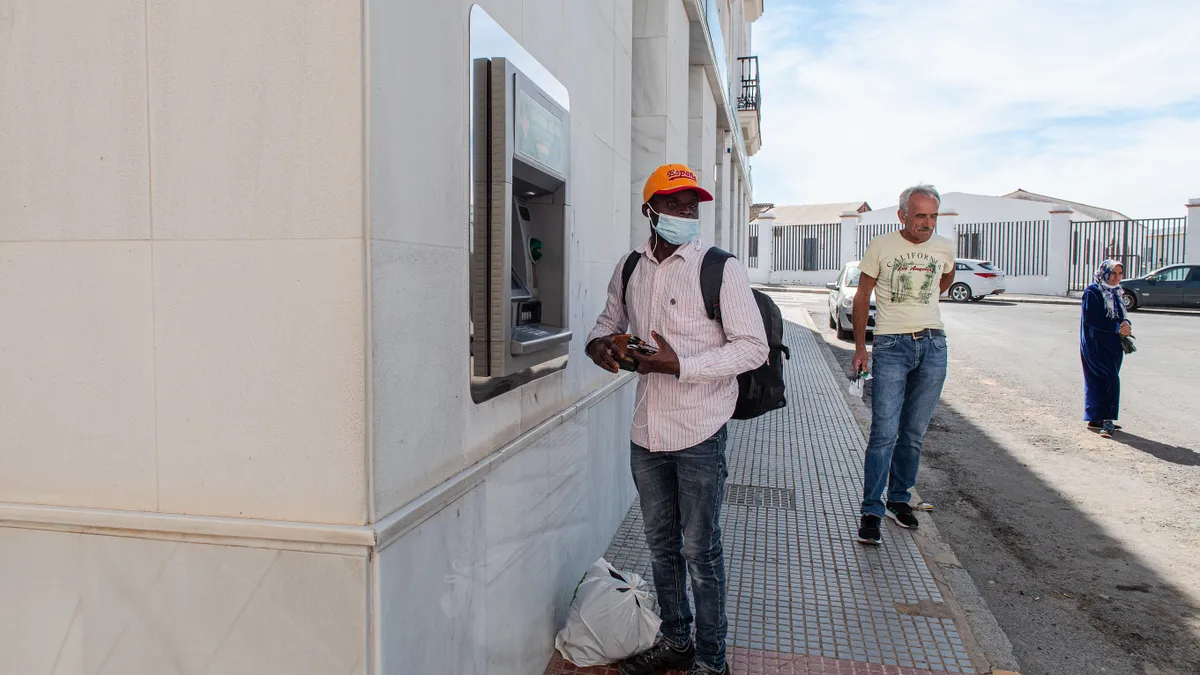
[{"x": 641, "y": 345}]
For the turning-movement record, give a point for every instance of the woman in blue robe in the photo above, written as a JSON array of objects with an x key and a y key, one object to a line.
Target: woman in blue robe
[{"x": 1103, "y": 322}]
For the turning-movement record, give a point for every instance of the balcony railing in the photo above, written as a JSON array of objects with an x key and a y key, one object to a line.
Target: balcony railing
[{"x": 750, "y": 96}]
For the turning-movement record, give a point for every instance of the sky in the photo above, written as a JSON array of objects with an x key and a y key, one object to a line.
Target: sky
[{"x": 1094, "y": 101}]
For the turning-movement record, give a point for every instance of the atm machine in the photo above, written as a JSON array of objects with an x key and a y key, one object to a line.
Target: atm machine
[{"x": 520, "y": 242}]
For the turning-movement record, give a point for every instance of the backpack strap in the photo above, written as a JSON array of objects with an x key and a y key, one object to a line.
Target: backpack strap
[
  {"x": 712, "y": 273},
  {"x": 631, "y": 264}
]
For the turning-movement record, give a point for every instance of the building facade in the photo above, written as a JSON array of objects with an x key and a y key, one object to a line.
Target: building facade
[{"x": 247, "y": 424}]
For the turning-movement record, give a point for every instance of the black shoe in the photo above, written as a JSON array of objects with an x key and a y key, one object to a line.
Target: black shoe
[
  {"x": 902, "y": 513},
  {"x": 1107, "y": 430},
  {"x": 701, "y": 669},
  {"x": 1100, "y": 425},
  {"x": 868, "y": 530},
  {"x": 659, "y": 659}
]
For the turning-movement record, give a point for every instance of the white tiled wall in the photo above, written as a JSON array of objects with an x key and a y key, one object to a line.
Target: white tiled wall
[
  {"x": 260, "y": 379},
  {"x": 77, "y": 365},
  {"x": 431, "y": 596},
  {"x": 255, "y": 119},
  {"x": 181, "y": 257},
  {"x": 197, "y": 339},
  {"x": 426, "y": 426},
  {"x": 702, "y": 150},
  {"x": 74, "y": 152},
  {"x": 77, "y": 603},
  {"x": 496, "y": 569},
  {"x": 659, "y": 100}
]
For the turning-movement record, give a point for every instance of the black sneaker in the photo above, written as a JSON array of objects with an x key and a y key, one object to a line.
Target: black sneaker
[
  {"x": 1100, "y": 425},
  {"x": 659, "y": 659},
  {"x": 701, "y": 669},
  {"x": 868, "y": 530},
  {"x": 1108, "y": 429},
  {"x": 902, "y": 513}
]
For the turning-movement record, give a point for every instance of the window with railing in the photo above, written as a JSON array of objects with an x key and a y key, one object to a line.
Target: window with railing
[{"x": 750, "y": 95}]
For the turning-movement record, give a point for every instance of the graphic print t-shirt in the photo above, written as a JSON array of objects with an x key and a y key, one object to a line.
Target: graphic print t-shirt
[{"x": 908, "y": 281}]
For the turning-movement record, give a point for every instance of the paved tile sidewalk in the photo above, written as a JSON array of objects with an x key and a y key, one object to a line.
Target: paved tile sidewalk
[{"x": 804, "y": 597}]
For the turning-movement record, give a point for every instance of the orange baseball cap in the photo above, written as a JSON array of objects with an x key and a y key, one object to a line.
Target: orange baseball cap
[{"x": 671, "y": 178}]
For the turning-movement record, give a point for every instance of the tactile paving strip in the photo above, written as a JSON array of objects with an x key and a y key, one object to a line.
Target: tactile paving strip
[
  {"x": 798, "y": 583},
  {"x": 752, "y": 662}
]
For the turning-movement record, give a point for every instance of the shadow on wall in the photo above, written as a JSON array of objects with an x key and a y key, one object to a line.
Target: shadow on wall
[{"x": 1071, "y": 598}]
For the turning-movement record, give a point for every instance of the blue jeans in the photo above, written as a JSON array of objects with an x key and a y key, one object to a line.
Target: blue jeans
[
  {"x": 907, "y": 377},
  {"x": 681, "y": 494}
]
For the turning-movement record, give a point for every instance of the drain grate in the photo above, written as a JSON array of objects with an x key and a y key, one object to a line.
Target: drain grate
[{"x": 753, "y": 495}]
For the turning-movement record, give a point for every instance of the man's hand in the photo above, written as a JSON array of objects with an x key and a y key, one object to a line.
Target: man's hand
[
  {"x": 861, "y": 361},
  {"x": 1125, "y": 329},
  {"x": 604, "y": 352},
  {"x": 861, "y": 313},
  {"x": 663, "y": 361}
]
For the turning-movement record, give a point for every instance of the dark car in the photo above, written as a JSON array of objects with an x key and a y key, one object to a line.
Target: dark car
[{"x": 1173, "y": 286}]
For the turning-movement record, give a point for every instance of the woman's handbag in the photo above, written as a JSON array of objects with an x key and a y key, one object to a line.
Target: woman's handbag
[{"x": 1127, "y": 345}]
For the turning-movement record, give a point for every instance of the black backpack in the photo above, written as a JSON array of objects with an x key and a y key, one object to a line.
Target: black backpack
[{"x": 760, "y": 390}]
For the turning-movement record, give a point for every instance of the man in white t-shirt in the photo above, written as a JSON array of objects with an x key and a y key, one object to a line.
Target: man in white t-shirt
[{"x": 908, "y": 270}]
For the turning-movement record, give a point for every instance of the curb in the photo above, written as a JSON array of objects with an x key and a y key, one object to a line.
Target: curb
[
  {"x": 986, "y": 641},
  {"x": 1036, "y": 300}
]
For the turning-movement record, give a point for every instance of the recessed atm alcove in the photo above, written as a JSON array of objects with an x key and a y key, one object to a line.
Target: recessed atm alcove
[{"x": 520, "y": 242}]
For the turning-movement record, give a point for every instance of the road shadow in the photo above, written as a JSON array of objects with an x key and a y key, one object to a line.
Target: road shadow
[
  {"x": 1071, "y": 598},
  {"x": 1168, "y": 453}
]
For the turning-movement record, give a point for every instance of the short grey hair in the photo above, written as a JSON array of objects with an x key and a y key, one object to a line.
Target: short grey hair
[{"x": 923, "y": 190}]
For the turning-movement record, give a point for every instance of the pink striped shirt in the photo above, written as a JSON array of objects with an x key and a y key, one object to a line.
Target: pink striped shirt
[{"x": 675, "y": 413}]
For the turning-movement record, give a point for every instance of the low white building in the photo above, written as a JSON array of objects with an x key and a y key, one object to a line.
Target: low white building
[
  {"x": 1013, "y": 232},
  {"x": 1017, "y": 232},
  {"x": 802, "y": 243},
  {"x": 270, "y": 403}
]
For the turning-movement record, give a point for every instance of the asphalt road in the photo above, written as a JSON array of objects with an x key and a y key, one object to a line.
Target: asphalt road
[{"x": 1087, "y": 550}]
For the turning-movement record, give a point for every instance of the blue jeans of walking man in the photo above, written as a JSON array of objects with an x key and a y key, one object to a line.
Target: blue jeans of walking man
[
  {"x": 908, "y": 374},
  {"x": 681, "y": 494}
]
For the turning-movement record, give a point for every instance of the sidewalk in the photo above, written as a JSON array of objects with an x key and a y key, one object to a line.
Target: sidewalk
[
  {"x": 803, "y": 597},
  {"x": 1010, "y": 297}
]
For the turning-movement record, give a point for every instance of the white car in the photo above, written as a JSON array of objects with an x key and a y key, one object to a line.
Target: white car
[
  {"x": 841, "y": 302},
  {"x": 975, "y": 280}
]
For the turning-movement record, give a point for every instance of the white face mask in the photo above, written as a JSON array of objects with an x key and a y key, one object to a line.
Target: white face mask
[{"x": 675, "y": 230}]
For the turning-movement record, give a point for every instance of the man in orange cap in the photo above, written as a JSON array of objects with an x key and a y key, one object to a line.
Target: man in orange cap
[{"x": 687, "y": 391}]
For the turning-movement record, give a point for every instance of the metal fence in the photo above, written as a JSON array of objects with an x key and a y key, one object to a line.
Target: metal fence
[
  {"x": 750, "y": 97},
  {"x": 752, "y": 247},
  {"x": 1020, "y": 248},
  {"x": 868, "y": 232},
  {"x": 807, "y": 248},
  {"x": 1141, "y": 246}
]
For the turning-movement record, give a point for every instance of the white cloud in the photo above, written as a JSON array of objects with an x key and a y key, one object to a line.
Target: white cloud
[{"x": 1095, "y": 101}]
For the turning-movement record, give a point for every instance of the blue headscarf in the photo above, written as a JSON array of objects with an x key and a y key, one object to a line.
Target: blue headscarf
[{"x": 1112, "y": 294}]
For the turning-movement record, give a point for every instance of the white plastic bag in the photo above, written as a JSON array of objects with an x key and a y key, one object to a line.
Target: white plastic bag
[
  {"x": 612, "y": 618},
  {"x": 857, "y": 384}
]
